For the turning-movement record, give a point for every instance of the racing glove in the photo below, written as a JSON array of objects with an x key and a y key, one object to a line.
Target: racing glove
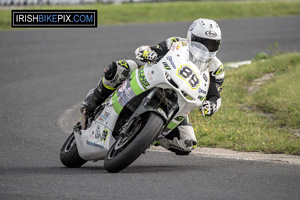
[
  {"x": 145, "y": 54},
  {"x": 208, "y": 108}
]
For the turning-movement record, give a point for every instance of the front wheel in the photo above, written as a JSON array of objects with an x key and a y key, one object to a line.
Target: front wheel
[
  {"x": 69, "y": 155},
  {"x": 127, "y": 149}
]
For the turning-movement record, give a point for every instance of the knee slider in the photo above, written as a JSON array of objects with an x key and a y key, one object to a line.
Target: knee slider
[{"x": 117, "y": 72}]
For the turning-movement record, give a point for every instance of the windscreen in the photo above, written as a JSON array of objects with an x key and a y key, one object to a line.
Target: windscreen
[{"x": 199, "y": 55}]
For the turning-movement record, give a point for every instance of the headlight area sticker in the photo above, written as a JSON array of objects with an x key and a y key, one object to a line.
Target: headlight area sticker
[{"x": 54, "y": 18}]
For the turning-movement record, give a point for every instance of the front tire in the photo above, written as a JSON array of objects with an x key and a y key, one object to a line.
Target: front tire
[
  {"x": 121, "y": 156},
  {"x": 69, "y": 155}
]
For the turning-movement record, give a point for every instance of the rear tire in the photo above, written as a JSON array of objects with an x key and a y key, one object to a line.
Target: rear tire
[
  {"x": 69, "y": 155},
  {"x": 117, "y": 160}
]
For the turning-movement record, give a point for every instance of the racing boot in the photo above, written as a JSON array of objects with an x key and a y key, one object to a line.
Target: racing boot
[
  {"x": 114, "y": 75},
  {"x": 181, "y": 140},
  {"x": 94, "y": 98}
]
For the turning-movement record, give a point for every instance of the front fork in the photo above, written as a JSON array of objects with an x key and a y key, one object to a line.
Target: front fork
[{"x": 145, "y": 107}]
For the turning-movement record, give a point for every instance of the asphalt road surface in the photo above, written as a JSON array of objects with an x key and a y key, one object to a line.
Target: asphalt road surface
[{"x": 45, "y": 72}]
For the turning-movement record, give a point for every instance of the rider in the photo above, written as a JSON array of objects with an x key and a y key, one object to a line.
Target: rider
[{"x": 180, "y": 140}]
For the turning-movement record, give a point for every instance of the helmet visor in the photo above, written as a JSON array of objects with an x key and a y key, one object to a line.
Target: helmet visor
[
  {"x": 199, "y": 55},
  {"x": 211, "y": 45}
]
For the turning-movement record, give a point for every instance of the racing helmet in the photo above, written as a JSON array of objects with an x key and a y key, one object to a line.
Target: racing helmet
[{"x": 206, "y": 32}]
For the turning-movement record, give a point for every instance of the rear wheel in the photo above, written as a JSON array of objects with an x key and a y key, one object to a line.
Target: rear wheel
[
  {"x": 127, "y": 149},
  {"x": 69, "y": 155}
]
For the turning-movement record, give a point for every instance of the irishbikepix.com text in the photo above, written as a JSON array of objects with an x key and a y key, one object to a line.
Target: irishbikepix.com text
[{"x": 54, "y": 18}]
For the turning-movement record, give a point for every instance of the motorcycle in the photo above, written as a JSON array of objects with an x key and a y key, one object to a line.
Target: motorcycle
[{"x": 144, "y": 108}]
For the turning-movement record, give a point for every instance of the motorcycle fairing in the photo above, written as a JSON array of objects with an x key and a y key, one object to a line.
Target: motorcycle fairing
[
  {"x": 191, "y": 85},
  {"x": 91, "y": 147},
  {"x": 94, "y": 143},
  {"x": 181, "y": 75}
]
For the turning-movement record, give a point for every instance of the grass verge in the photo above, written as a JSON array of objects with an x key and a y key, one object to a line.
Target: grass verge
[
  {"x": 262, "y": 121},
  {"x": 174, "y": 11}
]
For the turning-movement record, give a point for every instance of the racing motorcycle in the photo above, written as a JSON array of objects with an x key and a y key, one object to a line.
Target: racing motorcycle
[{"x": 143, "y": 109}]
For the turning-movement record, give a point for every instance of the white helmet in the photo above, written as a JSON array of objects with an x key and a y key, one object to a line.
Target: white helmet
[{"x": 206, "y": 32}]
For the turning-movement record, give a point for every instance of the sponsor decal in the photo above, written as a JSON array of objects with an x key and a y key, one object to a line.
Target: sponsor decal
[
  {"x": 94, "y": 144},
  {"x": 142, "y": 78},
  {"x": 123, "y": 86},
  {"x": 178, "y": 46},
  {"x": 186, "y": 73},
  {"x": 192, "y": 26},
  {"x": 150, "y": 75},
  {"x": 200, "y": 90},
  {"x": 97, "y": 134},
  {"x": 201, "y": 98},
  {"x": 173, "y": 47},
  {"x": 104, "y": 116},
  {"x": 166, "y": 66},
  {"x": 211, "y": 33},
  {"x": 92, "y": 134},
  {"x": 100, "y": 136},
  {"x": 205, "y": 77},
  {"x": 123, "y": 98},
  {"x": 54, "y": 18},
  {"x": 124, "y": 92},
  {"x": 104, "y": 135},
  {"x": 127, "y": 92},
  {"x": 169, "y": 58},
  {"x": 102, "y": 120}
]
